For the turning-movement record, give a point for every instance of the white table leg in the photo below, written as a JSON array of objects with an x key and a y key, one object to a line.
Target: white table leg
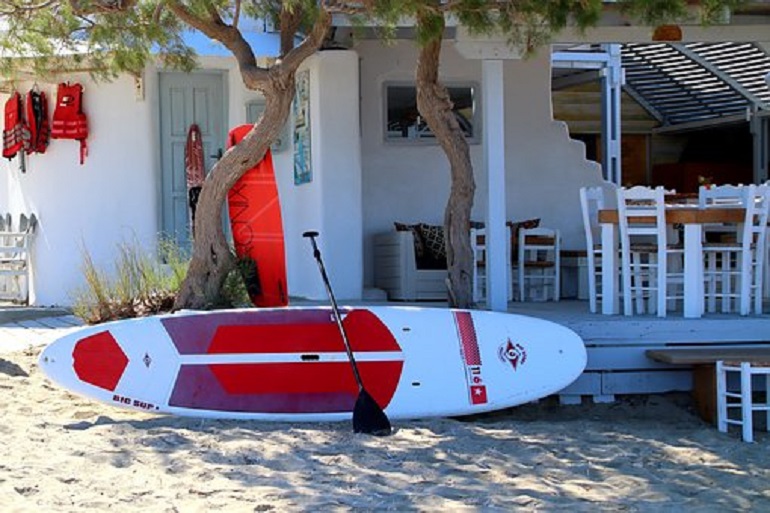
[
  {"x": 610, "y": 298},
  {"x": 693, "y": 271}
]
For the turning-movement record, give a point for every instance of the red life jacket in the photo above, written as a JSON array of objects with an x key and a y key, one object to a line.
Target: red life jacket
[
  {"x": 69, "y": 121},
  {"x": 15, "y": 132},
  {"x": 37, "y": 119}
]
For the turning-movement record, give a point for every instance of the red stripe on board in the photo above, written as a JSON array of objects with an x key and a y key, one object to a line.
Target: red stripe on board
[
  {"x": 468, "y": 342},
  {"x": 276, "y": 338},
  {"x": 365, "y": 331},
  {"x": 282, "y": 388},
  {"x": 99, "y": 360},
  {"x": 301, "y": 387},
  {"x": 298, "y": 378},
  {"x": 193, "y": 334}
]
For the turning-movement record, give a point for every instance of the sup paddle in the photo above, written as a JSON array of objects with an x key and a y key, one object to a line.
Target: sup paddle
[{"x": 368, "y": 417}]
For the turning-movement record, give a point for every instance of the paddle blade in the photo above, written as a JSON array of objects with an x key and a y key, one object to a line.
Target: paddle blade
[{"x": 368, "y": 417}]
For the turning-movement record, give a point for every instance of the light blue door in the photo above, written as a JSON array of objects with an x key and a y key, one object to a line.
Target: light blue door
[{"x": 186, "y": 98}]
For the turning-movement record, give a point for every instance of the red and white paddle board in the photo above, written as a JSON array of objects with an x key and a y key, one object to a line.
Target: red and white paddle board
[
  {"x": 290, "y": 364},
  {"x": 255, "y": 219}
]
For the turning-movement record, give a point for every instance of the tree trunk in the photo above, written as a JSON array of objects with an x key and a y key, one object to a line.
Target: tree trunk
[
  {"x": 212, "y": 257},
  {"x": 435, "y": 106}
]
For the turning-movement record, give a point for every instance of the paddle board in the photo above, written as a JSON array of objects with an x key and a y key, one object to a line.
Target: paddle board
[
  {"x": 290, "y": 364},
  {"x": 255, "y": 219}
]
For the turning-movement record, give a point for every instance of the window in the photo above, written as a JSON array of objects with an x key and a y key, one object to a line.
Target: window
[
  {"x": 404, "y": 123},
  {"x": 254, "y": 110}
]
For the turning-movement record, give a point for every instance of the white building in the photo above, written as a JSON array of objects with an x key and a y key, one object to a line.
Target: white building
[{"x": 362, "y": 179}]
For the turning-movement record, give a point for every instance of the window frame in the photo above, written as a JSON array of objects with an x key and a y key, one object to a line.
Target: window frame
[{"x": 431, "y": 141}]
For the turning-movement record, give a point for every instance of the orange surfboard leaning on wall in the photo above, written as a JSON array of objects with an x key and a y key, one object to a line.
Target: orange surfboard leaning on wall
[{"x": 255, "y": 219}]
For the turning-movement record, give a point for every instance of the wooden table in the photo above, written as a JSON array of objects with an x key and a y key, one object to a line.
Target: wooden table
[{"x": 693, "y": 219}]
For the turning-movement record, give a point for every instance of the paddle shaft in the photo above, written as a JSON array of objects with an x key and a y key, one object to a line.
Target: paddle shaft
[{"x": 335, "y": 309}]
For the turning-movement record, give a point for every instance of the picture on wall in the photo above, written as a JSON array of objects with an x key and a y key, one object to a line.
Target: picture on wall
[{"x": 302, "y": 165}]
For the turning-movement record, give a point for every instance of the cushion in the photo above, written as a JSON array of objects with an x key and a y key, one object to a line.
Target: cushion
[
  {"x": 435, "y": 246},
  {"x": 419, "y": 245}
]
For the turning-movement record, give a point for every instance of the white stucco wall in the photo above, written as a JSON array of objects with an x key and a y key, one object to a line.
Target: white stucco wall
[
  {"x": 114, "y": 197},
  {"x": 331, "y": 203},
  {"x": 108, "y": 200},
  {"x": 410, "y": 183}
]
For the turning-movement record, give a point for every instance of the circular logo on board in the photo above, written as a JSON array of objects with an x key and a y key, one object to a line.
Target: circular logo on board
[{"x": 513, "y": 353}]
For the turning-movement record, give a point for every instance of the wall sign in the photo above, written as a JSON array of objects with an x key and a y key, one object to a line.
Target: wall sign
[{"x": 303, "y": 172}]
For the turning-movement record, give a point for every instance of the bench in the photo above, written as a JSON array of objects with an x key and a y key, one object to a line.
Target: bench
[
  {"x": 703, "y": 359},
  {"x": 396, "y": 271}
]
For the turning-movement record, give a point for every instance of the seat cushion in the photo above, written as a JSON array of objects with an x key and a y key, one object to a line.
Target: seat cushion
[{"x": 435, "y": 246}]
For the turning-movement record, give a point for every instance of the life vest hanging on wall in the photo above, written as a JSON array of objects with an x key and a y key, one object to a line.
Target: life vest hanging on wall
[
  {"x": 69, "y": 120},
  {"x": 14, "y": 132},
  {"x": 37, "y": 121}
]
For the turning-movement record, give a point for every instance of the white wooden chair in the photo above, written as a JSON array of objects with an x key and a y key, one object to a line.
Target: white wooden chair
[
  {"x": 743, "y": 399},
  {"x": 647, "y": 274},
  {"x": 591, "y": 201},
  {"x": 718, "y": 280},
  {"x": 479, "y": 248},
  {"x": 15, "y": 258},
  {"x": 538, "y": 265},
  {"x": 740, "y": 268}
]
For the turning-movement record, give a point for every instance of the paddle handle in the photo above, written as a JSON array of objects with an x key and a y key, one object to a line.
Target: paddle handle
[{"x": 317, "y": 255}]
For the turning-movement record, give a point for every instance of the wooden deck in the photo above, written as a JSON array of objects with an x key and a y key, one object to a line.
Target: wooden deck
[{"x": 616, "y": 344}]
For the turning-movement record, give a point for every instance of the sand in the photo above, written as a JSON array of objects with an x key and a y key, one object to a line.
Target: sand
[{"x": 61, "y": 452}]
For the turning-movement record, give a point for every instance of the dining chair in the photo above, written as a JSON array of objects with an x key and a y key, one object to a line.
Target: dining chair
[
  {"x": 720, "y": 195},
  {"x": 591, "y": 201},
  {"x": 538, "y": 264},
  {"x": 742, "y": 401},
  {"x": 479, "y": 248},
  {"x": 650, "y": 265},
  {"x": 716, "y": 264},
  {"x": 739, "y": 270}
]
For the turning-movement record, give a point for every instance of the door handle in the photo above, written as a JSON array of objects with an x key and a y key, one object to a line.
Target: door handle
[{"x": 217, "y": 155}]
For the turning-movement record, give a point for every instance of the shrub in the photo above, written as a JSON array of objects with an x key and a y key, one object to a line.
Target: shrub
[{"x": 141, "y": 285}]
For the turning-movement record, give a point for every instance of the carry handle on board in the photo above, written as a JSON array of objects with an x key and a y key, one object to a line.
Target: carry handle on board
[{"x": 368, "y": 417}]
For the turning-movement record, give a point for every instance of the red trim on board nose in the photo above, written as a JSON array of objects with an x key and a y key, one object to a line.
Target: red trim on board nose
[{"x": 99, "y": 360}]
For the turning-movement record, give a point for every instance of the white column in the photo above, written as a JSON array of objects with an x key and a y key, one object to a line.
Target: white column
[
  {"x": 612, "y": 81},
  {"x": 493, "y": 111},
  {"x": 760, "y": 131}
]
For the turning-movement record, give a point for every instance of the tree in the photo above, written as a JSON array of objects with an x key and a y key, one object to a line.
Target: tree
[
  {"x": 212, "y": 258},
  {"x": 527, "y": 25},
  {"x": 109, "y": 37}
]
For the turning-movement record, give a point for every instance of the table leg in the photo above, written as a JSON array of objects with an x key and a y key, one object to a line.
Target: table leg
[
  {"x": 610, "y": 298},
  {"x": 693, "y": 271}
]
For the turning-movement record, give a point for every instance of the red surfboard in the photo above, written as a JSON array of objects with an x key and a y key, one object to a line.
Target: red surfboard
[{"x": 255, "y": 219}]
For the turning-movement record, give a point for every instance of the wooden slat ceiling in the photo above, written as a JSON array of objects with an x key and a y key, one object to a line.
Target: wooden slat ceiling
[{"x": 694, "y": 82}]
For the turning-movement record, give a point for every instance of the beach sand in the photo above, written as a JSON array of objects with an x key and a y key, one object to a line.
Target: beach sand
[{"x": 62, "y": 452}]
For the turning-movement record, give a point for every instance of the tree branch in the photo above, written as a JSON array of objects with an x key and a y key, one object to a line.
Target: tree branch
[
  {"x": 310, "y": 44},
  {"x": 229, "y": 36}
]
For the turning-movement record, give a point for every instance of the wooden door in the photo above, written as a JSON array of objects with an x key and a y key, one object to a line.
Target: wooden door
[{"x": 186, "y": 98}]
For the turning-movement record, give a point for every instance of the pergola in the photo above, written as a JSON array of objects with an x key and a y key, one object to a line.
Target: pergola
[{"x": 613, "y": 31}]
